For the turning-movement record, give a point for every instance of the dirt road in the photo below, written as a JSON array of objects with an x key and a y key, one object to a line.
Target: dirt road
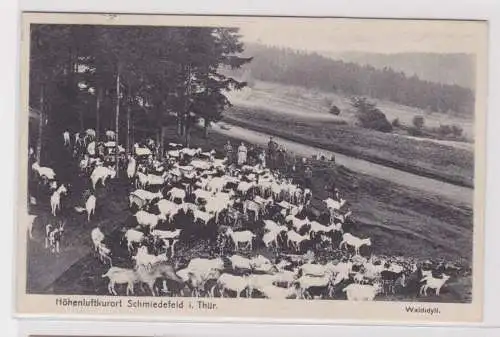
[{"x": 452, "y": 192}]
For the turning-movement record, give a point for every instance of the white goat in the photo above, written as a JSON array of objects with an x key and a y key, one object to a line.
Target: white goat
[
  {"x": 55, "y": 199},
  {"x": 97, "y": 237},
  {"x": 176, "y": 193},
  {"x": 147, "y": 219},
  {"x": 101, "y": 173},
  {"x": 143, "y": 259},
  {"x": 117, "y": 275},
  {"x": 131, "y": 166},
  {"x": 206, "y": 264},
  {"x": 29, "y": 221},
  {"x": 351, "y": 240},
  {"x": 295, "y": 239},
  {"x": 104, "y": 254},
  {"x": 169, "y": 235},
  {"x": 66, "y": 138},
  {"x": 231, "y": 282},
  {"x": 90, "y": 206},
  {"x": 42, "y": 171},
  {"x": 277, "y": 293},
  {"x": 246, "y": 237},
  {"x": 168, "y": 209},
  {"x": 361, "y": 292},
  {"x": 133, "y": 236},
  {"x": 306, "y": 282},
  {"x": 240, "y": 262},
  {"x": 433, "y": 283}
]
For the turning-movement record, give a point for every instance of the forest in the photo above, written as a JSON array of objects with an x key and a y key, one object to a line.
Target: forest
[
  {"x": 312, "y": 70},
  {"x": 120, "y": 77}
]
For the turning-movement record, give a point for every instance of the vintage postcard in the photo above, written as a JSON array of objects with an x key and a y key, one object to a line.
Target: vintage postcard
[{"x": 276, "y": 169}]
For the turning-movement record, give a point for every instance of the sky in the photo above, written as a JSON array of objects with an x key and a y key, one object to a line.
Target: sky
[{"x": 369, "y": 35}]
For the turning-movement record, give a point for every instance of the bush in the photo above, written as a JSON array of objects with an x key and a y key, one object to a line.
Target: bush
[
  {"x": 450, "y": 130},
  {"x": 334, "y": 110},
  {"x": 396, "y": 123},
  {"x": 369, "y": 116},
  {"x": 444, "y": 130},
  {"x": 457, "y": 130},
  {"x": 413, "y": 131},
  {"x": 418, "y": 122}
]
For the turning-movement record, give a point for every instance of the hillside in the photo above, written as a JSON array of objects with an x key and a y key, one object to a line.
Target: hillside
[
  {"x": 439, "y": 68},
  {"x": 315, "y": 71}
]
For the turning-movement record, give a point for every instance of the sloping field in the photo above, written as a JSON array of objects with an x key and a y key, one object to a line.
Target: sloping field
[
  {"x": 430, "y": 159},
  {"x": 313, "y": 104},
  {"x": 399, "y": 220}
]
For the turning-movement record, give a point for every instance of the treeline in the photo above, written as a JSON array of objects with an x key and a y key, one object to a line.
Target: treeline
[
  {"x": 312, "y": 70},
  {"x": 84, "y": 76}
]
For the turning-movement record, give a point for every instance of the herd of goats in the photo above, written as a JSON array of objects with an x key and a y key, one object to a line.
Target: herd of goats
[{"x": 244, "y": 213}]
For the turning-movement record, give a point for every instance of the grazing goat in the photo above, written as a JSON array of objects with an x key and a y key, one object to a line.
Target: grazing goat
[
  {"x": 231, "y": 282},
  {"x": 143, "y": 259},
  {"x": 29, "y": 221},
  {"x": 169, "y": 235},
  {"x": 241, "y": 237},
  {"x": 159, "y": 270},
  {"x": 433, "y": 283},
  {"x": 277, "y": 293},
  {"x": 239, "y": 262},
  {"x": 133, "y": 236},
  {"x": 53, "y": 237},
  {"x": 249, "y": 205},
  {"x": 104, "y": 254},
  {"x": 66, "y": 138},
  {"x": 147, "y": 219},
  {"x": 55, "y": 199},
  {"x": 117, "y": 275},
  {"x": 44, "y": 172},
  {"x": 168, "y": 209},
  {"x": 305, "y": 283},
  {"x": 361, "y": 292},
  {"x": 295, "y": 239},
  {"x": 97, "y": 237},
  {"x": 176, "y": 193},
  {"x": 90, "y": 206},
  {"x": 319, "y": 270},
  {"x": 101, "y": 173},
  {"x": 131, "y": 167},
  {"x": 206, "y": 264},
  {"x": 351, "y": 240}
]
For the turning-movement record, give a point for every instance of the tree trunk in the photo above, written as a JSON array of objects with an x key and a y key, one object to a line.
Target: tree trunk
[
  {"x": 133, "y": 136},
  {"x": 205, "y": 129},
  {"x": 129, "y": 112},
  {"x": 80, "y": 118},
  {"x": 117, "y": 119},
  {"x": 158, "y": 137},
  {"x": 98, "y": 114},
  {"x": 162, "y": 142},
  {"x": 41, "y": 121},
  {"x": 187, "y": 127}
]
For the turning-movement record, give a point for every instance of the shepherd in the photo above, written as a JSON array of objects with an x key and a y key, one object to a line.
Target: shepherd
[
  {"x": 308, "y": 177},
  {"x": 242, "y": 154},
  {"x": 271, "y": 150},
  {"x": 228, "y": 148}
]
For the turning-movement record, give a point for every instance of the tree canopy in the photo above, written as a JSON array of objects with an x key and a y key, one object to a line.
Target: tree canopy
[{"x": 84, "y": 74}]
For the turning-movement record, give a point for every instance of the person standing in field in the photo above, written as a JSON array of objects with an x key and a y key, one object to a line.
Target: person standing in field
[
  {"x": 271, "y": 150},
  {"x": 228, "y": 148},
  {"x": 262, "y": 159},
  {"x": 308, "y": 177},
  {"x": 242, "y": 154}
]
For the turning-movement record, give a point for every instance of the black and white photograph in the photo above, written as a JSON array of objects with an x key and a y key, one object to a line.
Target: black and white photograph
[{"x": 314, "y": 160}]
